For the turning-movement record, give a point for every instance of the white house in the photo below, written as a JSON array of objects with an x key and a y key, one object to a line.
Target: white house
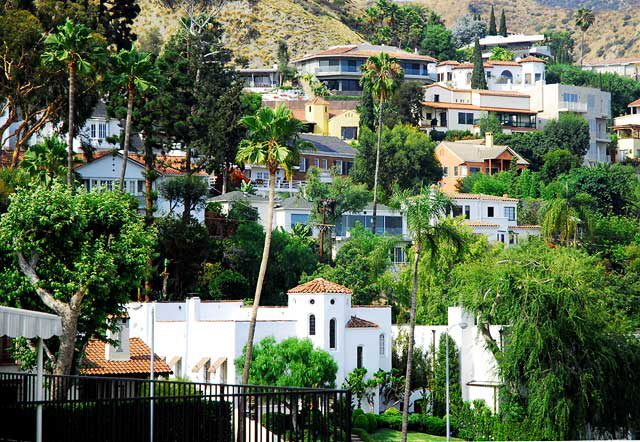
[
  {"x": 628, "y": 67},
  {"x": 627, "y": 129},
  {"x": 105, "y": 169},
  {"x": 479, "y": 377},
  {"x": 520, "y": 44},
  {"x": 201, "y": 340}
]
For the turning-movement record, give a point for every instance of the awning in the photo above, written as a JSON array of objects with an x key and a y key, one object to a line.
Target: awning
[
  {"x": 200, "y": 364},
  {"x": 217, "y": 364},
  {"x": 15, "y": 323}
]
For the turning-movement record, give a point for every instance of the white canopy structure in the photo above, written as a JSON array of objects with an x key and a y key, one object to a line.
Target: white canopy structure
[{"x": 16, "y": 323}]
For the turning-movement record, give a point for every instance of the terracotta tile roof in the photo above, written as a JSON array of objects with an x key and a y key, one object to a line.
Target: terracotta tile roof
[
  {"x": 366, "y": 50},
  {"x": 526, "y": 226},
  {"x": 479, "y": 196},
  {"x": 356, "y": 322},
  {"x": 95, "y": 363},
  {"x": 444, "y": 105},
  {"x": 320, "y": 285},
  {"x": 531, "y": 59},
  {"x": 318, "y": 100},
  {"x": 634, "y": 103},
  {"x": 472, "y": 223},
  {"x": 449, "y": 63},
  {"x": 502, "y": 63},
  {"x": 470, "y": 65}
]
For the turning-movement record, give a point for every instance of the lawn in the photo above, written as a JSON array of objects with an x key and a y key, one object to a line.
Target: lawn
[{"x": 387, "y": 435}]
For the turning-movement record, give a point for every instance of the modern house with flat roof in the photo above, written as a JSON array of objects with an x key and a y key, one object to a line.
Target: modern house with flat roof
[
  {"x": 339, "y": 66},
  {"x": 627, "y": 128},
  {"x": 628, "y": 67},
  {"x": 462, "y": 158},
  {"x": 520, "y": 44}
]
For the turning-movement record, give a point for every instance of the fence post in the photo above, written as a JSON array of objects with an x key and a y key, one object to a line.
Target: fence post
[{"x": 39, "y": 395}]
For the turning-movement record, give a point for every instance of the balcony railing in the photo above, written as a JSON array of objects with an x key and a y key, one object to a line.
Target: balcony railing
[
  {"x": 512, "y": 124},
  {"x": 573, "y": 106},
  {"x": 115, "y": 409},
  {"x": 281, "y": 185}
]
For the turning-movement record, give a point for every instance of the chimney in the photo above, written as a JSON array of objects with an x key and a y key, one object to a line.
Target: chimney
[
  {"x": 119, "y": 351},
  {"x": 488, "y": 141}
]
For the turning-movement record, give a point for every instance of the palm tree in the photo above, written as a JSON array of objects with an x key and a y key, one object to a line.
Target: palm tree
[
  {"x": 380, "y": 76},
  {"x": 134, "y": 71},
  {"x": 424, "y": 212},
  {"x": 46, "y": 161},
  {"x": 273, "y": 141},
  {"x": 75, "y": 46},
  {"x": 584, "y": 20},
  {"x": 566, "y": 217}
]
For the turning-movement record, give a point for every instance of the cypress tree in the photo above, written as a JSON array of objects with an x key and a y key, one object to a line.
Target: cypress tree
[
  {"x": 478, "y": 79},
  {"x": 503, "y": 25},
  {"x": 492, "y": 23}
]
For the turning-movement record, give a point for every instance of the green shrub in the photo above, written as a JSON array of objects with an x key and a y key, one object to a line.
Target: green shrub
[
  {"x": 392, "y": 412},
  {"x": 455, "y": 135},
  {"x": 363, "y": 435},
  {"x": 390, "y": 421},
  {"x": 277, "y": 423},
  {"x": 361, "y": 421},
  {"x": 373, "y": 422}
]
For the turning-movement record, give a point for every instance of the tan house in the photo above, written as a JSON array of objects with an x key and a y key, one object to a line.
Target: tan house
[
  {"x": 462, "y": 158},
  {"x": 627, "y": 128},
  {"x": 333, "y": 118}
]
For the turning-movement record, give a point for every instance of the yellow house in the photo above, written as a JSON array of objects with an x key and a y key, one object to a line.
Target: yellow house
[{"x": 334, "y": 118}]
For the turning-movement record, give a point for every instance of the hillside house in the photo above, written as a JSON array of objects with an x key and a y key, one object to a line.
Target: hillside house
[{"x": 627, "y": 128}]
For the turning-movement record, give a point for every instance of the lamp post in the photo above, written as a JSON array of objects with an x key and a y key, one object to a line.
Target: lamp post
[{"x": 462, "y": 325}]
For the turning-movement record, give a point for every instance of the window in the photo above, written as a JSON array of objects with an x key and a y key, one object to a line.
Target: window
[
  {"x": 488, "y": 75},
  {"x": 527, "y": 78},
  {"x": 510, "y": 213},
  {"x": 463, "y": 170},
  {"x": 102, "y": 131},
  {"x": 399, "y": 255},
  {"x": 475, "y": 169},
  {"x": 381, "y": 345},
  {"x": 467, "y": 212},
  {"x": 455, "y": 171},
  {"x": 332, "y": 334},
  {"x": 445, "y": 171},
  {"x": 457, "y": 211},
  {"x": 538, "y": 77},
  {"x": 468, "y": 77},
  {"x": 591, "y": 101},
  {"x": 299, "y": 218},
  {"x": 316, "y": 162},
  {"x": 312, "y": 325},
  {"x": 325, "y": 164},
  {"x": 359, "y": 356},
  {"x": 93, "y": 130},
  {"x": 465, "y": 117},
  {"x": 140, "y": 186},
  {"x": 393, "y": 225},
  {"x": 351, "y": 85},
  {"x": 349, "y": 133},
  {"x": 490, "y": 212},
  {"x": 449, "y": 76},
  {"x": 436, "y": 98},
  {"x": 303, "y": 164},
  {"x": 337, "y": 165},
  {"x": 570, "y": 98}
]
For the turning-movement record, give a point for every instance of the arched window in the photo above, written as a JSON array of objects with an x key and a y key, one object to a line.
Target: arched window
[
  {"x": 507, "y": 75},
  {"x": 381, "y": 345},
  {"x": 332, "y": 334},
  {"x": 312, "y": 325}
]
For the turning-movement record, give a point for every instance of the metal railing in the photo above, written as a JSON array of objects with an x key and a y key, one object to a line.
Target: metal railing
[{"x": 117, "y": 409}]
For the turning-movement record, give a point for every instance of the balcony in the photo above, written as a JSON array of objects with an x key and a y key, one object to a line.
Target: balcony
[
  {"x": 281, "y": 185},
  {"x": 573, "y": 106},
  {"x": 631, "y": 120},
  {"x": 512, "y": 124}
]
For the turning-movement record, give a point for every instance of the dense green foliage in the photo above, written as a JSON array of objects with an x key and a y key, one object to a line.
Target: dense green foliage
[
  {"x": 290, "y": 363},
  {"x": 407, "y": 154},
  {"x": 478, "y": 77}
]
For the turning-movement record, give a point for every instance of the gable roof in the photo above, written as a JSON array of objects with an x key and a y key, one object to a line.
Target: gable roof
[
  {"x": 634, "y": 103},
  {"x": 164, "y": 164},
  {"x": 356, "y": 322},
  {"x": 336, "y": 107},
  {"x": 532, "y": 59},
  {"x": 94, "y": 362},
  {"x": 328, "y": 145},
  {"x": 318, "y": 100},
  {"x": 321, "y": 285},
  {"x": 365, "y": 50},
  {"x": 477, "y": 153}
]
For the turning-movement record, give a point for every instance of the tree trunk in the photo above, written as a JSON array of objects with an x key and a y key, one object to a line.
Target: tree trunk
[
  {"x": 375, "y": 177},
  {"x": 127, "y": 135},
  {"x": 72, "y": 109},
  {"x": 148, "y": 183},
  {"x": 582, "y": 50},
  {"x": 225, "y": 177},
  {"x": 67, "y": 342},
  {"x": 261, "y": 275},
  {"x": 412, "y": 327},
  {"x": 186, "y": 214}
]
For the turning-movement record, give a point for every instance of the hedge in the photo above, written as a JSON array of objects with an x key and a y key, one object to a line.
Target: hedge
[{"x": 417, "y": 422}]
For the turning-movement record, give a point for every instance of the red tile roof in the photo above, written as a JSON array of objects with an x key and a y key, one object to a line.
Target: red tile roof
[
  {"x": 503, "y": 63},
  {"x": 479, "y": 196},
  {"x": 634, "y": 103},
  {"x": 320, "y": 285},
  {"x": 531, "y": 59},
  {"x": 318, "y": 100},
  {"x": 449, "y": 63},
  {"x": 444, "y": 105},
  {"x": 365, "y": 50},
  {"x": 356, "y": 322},
  {"x": 95, "y": 363}
]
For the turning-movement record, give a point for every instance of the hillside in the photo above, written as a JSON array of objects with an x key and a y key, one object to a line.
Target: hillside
[
  {"x": 253, "y": 27},
  {"x": 616, "y": 32}
]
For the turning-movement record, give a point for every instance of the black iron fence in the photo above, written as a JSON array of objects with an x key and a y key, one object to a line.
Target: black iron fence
[{"x": 115, "y": 410}]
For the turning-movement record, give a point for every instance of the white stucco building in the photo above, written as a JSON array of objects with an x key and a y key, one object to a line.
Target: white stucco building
[
  {"x": 521, "y": 45},
  {"x": 479, "y": 376},
  {"x": 201, "y": 340},
  {"x": 519, "y": 95},
  {"x": 104, "y": 171}
]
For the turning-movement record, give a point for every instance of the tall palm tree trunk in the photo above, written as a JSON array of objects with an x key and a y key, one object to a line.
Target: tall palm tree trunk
[
  {"x": 72, "y": 110},
  {"x": 127, "y": 135},
  {"x": 186, "y": 214},
  {"x": 375, "y": 177},
  {"x": 261, "y": 274},
  {"x": 412, "y": 327},
  {"x": 582, "y": 50}
]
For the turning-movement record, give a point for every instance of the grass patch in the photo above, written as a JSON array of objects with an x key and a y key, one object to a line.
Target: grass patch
[{"x": 388, "y": 435}]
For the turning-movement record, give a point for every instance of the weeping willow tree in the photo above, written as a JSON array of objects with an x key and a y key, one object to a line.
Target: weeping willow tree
[{"x": 569, "y": 359}]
